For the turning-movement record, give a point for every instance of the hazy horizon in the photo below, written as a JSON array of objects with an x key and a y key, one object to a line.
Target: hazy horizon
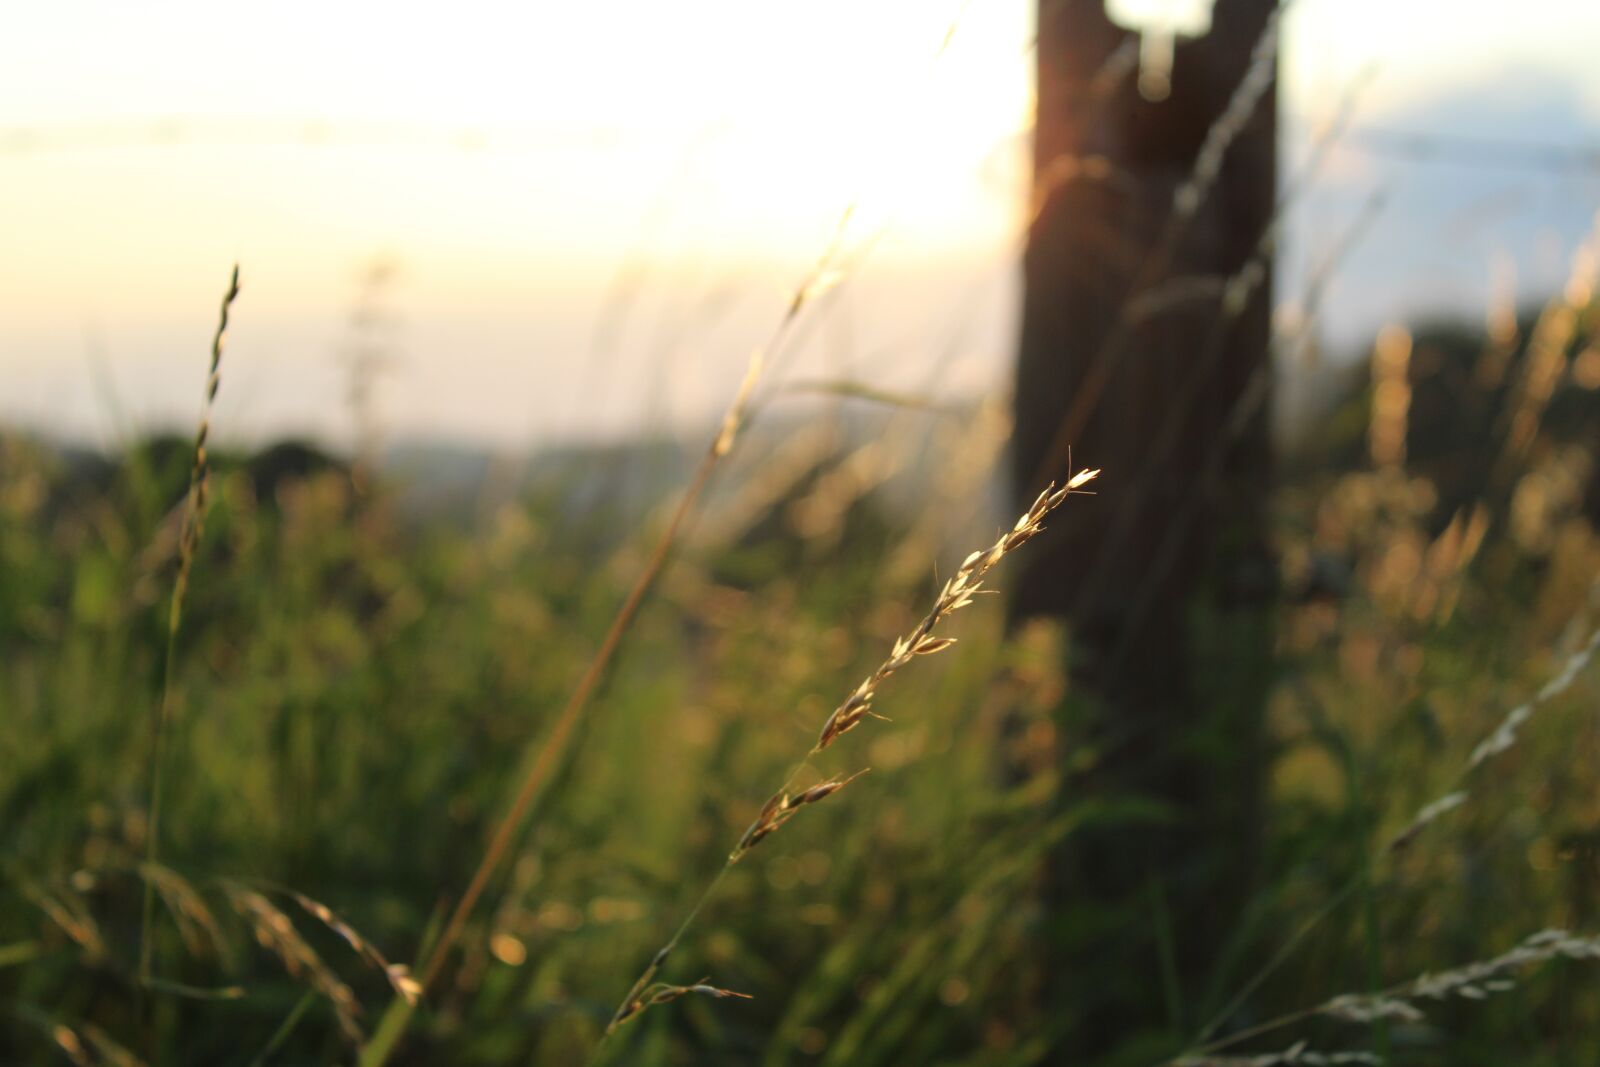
[{"x": 558, "y": 234}]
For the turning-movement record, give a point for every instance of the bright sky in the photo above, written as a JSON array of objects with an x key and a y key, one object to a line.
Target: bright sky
[{"x": 514, "y": 157}]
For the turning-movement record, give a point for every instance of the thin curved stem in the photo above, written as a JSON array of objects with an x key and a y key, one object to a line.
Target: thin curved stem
[{"x": 188, "y": 540}]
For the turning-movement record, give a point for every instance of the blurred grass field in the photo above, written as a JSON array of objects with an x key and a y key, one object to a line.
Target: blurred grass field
[{"x": 361, "y": 681}]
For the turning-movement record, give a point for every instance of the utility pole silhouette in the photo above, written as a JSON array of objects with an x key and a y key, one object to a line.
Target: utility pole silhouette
[{"x": 1144, "y": 348}]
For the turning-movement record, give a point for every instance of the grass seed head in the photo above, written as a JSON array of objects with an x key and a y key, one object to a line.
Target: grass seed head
[
  {"x": 276, "y": 933},
  {"x": 661, "y": 993}
]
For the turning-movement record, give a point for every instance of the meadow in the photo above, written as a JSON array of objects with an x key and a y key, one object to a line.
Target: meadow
[{"x": 359, "y": 689}]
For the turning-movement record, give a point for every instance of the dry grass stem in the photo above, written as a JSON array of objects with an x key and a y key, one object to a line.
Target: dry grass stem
[
  {"x": 1296, "y": 1054},
  {"x": 1503, "y": 738},
  {"x": 822, "y": 276},
  {"x": 194, "y": 516},
  {"x": 956, "y": 594},
  {"x": 275, "y": 932},
  {"x": 1475, "y": 981},
  {"x": 71, "y": 1045},
  {"x": 70, "y": 915},
  {"x": 398, "y": 975},
  {"x": 1506, "y": 734},
  {"x": 188, "y": 541},
  {"x": 88, "y": 1046},
  {"x": 1225, "y": 130},
  {"x": 1546, "y": 360},
  {"x": 661, "y": 993},
  {"x": 111, "y": 1053},
  {"x": 197, "y": 925},
  {"x": 781, "y": 808}
]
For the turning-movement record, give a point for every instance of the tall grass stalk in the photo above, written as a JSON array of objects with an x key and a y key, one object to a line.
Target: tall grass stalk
[
  {"x": 193, "y": 523},
  {"x": 1475, "y": 981},
  {"x": 554, "y": 747},
  {"x": 957, "y": 593},
  {"x": 1370, "y": 886}
]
